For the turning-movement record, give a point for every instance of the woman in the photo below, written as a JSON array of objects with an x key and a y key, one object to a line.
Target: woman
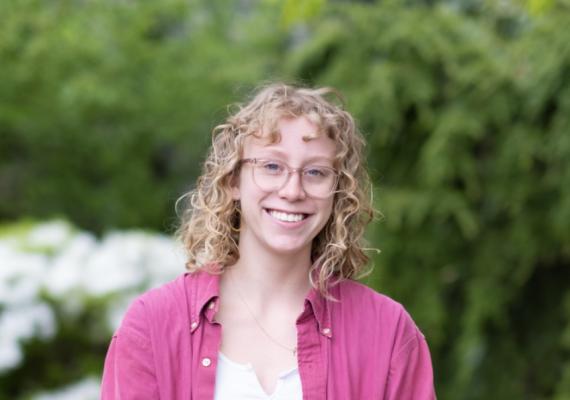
[{"x": 269, "y": 309}]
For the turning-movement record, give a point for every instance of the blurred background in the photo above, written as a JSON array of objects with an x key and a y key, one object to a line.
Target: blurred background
[{"x": 106, "y": 109}]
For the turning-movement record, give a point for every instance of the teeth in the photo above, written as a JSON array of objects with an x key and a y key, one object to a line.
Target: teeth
[{"x": 281, "y": 216}]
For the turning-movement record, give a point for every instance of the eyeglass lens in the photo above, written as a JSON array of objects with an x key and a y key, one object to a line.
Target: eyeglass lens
[{"x": 317, "y": 181}]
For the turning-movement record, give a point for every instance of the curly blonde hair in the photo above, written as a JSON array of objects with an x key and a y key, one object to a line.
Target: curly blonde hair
[{"x": 209, "y": 227}]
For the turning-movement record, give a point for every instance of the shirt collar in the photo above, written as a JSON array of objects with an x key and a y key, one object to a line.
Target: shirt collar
[
  {"x": 321, "y": 310},
  {"x": 203, "y": 289}
]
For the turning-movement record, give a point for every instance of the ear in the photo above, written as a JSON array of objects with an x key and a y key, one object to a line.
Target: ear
[{"x": 234, "y": 185}]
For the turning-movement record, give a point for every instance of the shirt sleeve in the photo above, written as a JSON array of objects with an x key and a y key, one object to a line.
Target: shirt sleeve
[
  {"x": 129, "y": 372},
  {"x": 411, "y": 373}
]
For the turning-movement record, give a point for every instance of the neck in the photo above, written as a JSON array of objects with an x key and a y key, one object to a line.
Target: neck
[{"x": 267, "y": 278}]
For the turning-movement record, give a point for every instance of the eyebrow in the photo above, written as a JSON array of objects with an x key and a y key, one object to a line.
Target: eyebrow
[{"x": 282, "y": 154}]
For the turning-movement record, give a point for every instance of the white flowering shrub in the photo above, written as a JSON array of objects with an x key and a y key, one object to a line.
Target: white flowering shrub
[
  {"x": 86, "y": 389},
  {"x": 62, "y": 294}
]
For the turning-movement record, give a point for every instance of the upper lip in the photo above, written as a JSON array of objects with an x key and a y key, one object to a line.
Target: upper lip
[{"x": 285, "y": 211}]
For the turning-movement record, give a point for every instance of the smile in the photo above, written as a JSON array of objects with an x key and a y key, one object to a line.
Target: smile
[{"x": 286, "y": 217}]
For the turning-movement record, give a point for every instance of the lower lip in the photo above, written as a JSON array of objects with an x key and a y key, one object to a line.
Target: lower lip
[{"x": 287, "y": 224}]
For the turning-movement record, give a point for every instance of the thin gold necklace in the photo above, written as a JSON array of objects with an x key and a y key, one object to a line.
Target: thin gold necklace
[{"x": 292, "y": 350}]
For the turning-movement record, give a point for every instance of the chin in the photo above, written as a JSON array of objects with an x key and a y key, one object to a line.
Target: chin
[{"x": 289, "y": 249}]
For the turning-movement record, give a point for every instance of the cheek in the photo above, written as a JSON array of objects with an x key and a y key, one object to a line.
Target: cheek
[
  {"x": 246, "y": 190},
  {"x": 327, "y": 210},
  {"x": 239, "y": 186}
]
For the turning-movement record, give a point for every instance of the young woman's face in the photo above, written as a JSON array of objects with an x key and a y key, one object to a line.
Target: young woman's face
[{"x": 284, "y": 220}]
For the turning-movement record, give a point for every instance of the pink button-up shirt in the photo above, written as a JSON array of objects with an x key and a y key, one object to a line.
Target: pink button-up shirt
[{"x": 365, "y": 346}]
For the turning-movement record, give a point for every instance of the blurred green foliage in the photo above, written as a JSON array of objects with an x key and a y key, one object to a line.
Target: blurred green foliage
[{"x": 106, "y": 109}]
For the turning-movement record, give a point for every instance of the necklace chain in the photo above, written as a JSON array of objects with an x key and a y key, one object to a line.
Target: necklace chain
[{"x": 292, "y": 350}]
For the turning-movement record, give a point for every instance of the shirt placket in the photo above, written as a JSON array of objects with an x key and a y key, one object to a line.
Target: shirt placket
[
  {"x": 312, "y": 355},
  {"x": 206, "y": 339}
]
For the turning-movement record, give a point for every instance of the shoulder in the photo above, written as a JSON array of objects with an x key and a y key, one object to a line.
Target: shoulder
[
  {"x": 356, "y": 294},
  {"x": 164, "y": 295},
  {"x": 151, "y": 345},
  {"x": 366, "y": 306},
  {"x": 169, "y": 294},
  {"x": 157, "y": 305},
  {"x": 174, "y": 302}
]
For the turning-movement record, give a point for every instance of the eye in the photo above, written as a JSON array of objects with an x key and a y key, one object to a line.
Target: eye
[
  {"x": 317, "y": 172},
  {"x": 272, "y": 167}
]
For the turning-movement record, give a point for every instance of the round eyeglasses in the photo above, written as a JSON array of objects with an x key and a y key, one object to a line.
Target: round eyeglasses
[{"x": 271, "y": 175}]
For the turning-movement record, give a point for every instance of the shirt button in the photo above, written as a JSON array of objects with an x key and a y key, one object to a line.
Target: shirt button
[
  {"x": 206, "y": 362},
  {"x": 326, "y": 331},
  {"x": 193, "y": 325}
]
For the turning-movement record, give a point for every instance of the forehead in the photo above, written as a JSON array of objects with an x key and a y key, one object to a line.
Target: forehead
[{"x": 295, "y": 139}]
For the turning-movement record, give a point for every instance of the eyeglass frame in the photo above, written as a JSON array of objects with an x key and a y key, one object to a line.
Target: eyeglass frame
[{"x": 290, "y": 171}]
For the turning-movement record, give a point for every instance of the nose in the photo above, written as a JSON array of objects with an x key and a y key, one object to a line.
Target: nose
[{"x": 292, "y": 189}]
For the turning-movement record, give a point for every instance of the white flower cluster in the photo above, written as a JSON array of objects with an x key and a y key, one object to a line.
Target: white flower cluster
[
  {"x": 73, "y": 267},
  {"x": 87, "y": 389}
]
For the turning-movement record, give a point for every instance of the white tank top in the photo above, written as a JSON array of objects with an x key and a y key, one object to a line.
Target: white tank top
[{"x": 239, "y": 382}]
